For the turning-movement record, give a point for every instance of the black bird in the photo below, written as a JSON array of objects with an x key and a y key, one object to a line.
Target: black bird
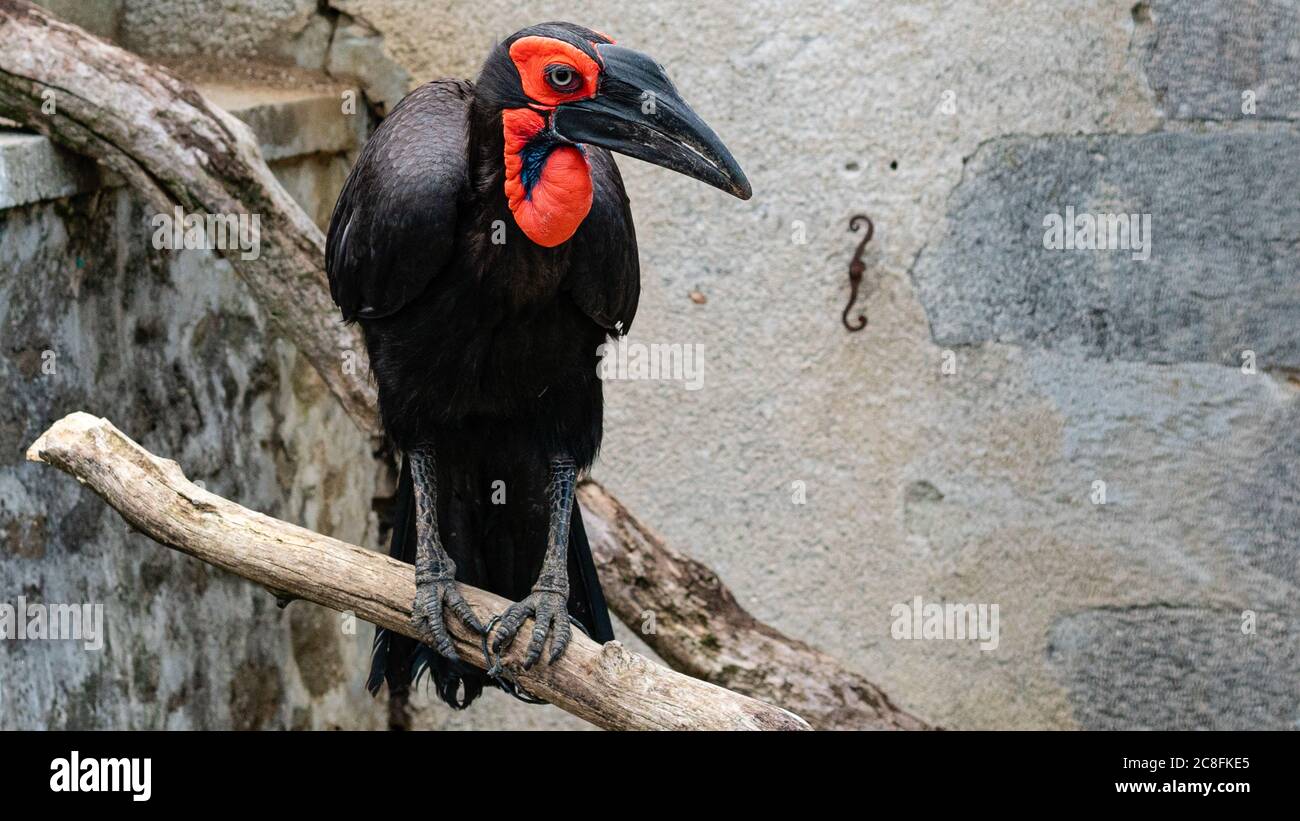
[{"x": 484, "y": 242}]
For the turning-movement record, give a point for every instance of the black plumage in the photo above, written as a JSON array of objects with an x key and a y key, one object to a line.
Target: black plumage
[{"x": 483, "y": 342}]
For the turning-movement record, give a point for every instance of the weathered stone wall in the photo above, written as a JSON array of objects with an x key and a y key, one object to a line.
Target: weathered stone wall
[
  {"x": 958, "y": 127},
  {"x": 170, "y": 346}
]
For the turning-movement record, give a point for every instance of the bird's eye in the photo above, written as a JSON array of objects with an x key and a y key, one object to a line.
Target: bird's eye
[{"x": 562, "y": 78}]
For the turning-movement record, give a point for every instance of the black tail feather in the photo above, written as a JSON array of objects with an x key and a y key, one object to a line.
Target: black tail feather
[
  {"x": 378, "y": 661},
  {"x": 389, "y": 655},
  {"x": 400, "y": 661},
  {"x": 586, "y": 599}
]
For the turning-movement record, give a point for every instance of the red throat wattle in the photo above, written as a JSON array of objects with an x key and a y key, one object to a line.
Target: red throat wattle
[
  {"x": 550, "y": 202},
  {"x": 550, "y": 211}
]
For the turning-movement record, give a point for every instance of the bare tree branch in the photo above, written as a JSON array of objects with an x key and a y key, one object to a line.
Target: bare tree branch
[
  {"x": 700, "y": 628},
  {"x": 606, "y": 685},
  {"x": 175, "y": 148}
]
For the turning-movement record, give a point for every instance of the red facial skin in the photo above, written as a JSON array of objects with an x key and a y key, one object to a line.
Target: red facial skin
[
  {"x": 559, "y": 201},
  {"x": 561, "y": 197}
]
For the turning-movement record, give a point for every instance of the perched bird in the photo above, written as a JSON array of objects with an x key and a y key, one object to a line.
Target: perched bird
[{"x": 484, "y": 243}]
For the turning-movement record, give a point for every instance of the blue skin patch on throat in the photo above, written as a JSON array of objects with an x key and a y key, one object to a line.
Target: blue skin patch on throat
[{"x": 534, "y": 156}]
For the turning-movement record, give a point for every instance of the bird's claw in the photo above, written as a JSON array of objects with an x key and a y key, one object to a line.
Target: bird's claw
[
  {"x": 550, "y": 612},
  {"x": 427, "y": 613}
]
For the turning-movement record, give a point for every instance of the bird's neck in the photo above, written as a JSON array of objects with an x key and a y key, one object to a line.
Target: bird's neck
[{"x": 545, "y": 183}]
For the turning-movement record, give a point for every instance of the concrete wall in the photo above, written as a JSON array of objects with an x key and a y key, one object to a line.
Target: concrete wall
[
  {"x": 1072, "y": 367},
  {"x": 171, "y": 348},
  {"x": 953, "y": 449}
]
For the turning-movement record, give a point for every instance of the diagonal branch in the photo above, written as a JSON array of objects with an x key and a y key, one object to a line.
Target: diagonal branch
[
  {"x": 175, "y": 148},
  {"x": 606, "y": 685},
  {"x": 700, "y": 628}
]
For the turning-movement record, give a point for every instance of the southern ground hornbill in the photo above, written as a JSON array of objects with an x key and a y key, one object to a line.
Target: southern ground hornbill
[{"x": 484, "y": 243}]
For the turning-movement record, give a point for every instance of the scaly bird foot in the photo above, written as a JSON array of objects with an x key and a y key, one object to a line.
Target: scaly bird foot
[
  {"x": 427, "y": 613},
  {"x": 550, "y": 612}
]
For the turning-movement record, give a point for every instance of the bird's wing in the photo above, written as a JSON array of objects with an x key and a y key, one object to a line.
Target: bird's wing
[
  {"x": 393, "y": 227},
  {"x": 605, "y": 277}
]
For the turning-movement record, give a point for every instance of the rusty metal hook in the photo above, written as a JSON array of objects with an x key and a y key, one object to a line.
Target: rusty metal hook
[{"x": 856, "y": 269}]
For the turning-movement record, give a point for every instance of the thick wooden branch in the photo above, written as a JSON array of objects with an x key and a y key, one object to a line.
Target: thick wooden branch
[
  {"x": 699, "y": 628},
  {"x": 175, "y": 148},
  {"x": 606, "y": 685}
]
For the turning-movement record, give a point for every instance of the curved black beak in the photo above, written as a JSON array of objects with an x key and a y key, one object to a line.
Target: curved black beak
[{"x": 639, "y": 113}]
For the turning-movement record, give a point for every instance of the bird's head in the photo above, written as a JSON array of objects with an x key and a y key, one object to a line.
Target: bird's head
[{"x": 560, "y": 87}]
